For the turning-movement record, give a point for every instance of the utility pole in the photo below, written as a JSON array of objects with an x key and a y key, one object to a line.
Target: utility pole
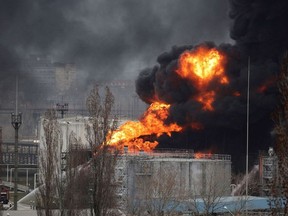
[
  {"x": 16, "y": 121},
  {"x": 247, "y": 136}
]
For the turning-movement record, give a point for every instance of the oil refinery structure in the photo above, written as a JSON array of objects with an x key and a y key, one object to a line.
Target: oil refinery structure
[{"x": 175, "y": 174}]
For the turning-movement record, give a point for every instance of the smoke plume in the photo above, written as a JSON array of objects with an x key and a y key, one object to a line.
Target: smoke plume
[{"x": 259, "y": 32}]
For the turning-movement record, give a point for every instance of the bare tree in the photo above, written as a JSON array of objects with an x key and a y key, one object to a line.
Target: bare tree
[
  {"x": 48, "y": 165},
  {"x": 207, "y": 195},
  {"x": 1, "y": 161},
  {"x": 103, "y": 162},
  {"x": 160, "y": 193},
  {"x": 279, "y": 188},
  {"x": 76, "y": 181}
]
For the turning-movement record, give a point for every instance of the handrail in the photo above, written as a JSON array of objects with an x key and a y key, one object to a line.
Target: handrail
[{"x": 180, "y": 154}]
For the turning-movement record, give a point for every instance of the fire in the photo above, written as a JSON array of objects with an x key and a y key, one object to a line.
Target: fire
[
  {"x": 207, "y": 98},
  {"x": 237, "y": 94},
  {"x": 151, "y": 123},
  {"x": 262, "y": 89},
  {"x": 267, "y": 84},
  {"x": 202, "y": 155},
  {"x": 201, "y": 66},
  {"x": 196, "y": 126}
]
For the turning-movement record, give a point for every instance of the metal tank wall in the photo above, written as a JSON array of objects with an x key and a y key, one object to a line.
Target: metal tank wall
[{"x": 192, "y": 178}]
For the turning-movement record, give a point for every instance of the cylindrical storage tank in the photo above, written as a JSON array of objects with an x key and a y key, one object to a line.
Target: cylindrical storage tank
[{"x": 186, "y": 177}]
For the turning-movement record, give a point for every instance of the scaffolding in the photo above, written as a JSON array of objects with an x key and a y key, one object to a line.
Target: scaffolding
[
  {"x": 268, "y": 171},
  {"x": 121, "y": 181}
]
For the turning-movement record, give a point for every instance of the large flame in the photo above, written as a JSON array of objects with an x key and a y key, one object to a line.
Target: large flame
[
  {"x": 201, "y": 66},
  {"x": 152, "y": 123}
]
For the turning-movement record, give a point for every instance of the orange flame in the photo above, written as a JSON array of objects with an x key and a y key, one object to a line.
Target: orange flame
[
  {"x": 207, "y": 98},
  {"x": 201, "y": 66},
  {"x": 268, "y": 83},
  {"x": 237, "y": 94},
  {"x": 196, "y": 126},
  {"x": 152, "y": 122},
  {"x": 202, "y": 155},
  {"x": 262, "y": 89}
]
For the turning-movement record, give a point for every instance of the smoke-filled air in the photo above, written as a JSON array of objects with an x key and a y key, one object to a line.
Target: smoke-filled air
[
  {"x": 203, "y": 87},
  {"x": 189, "y": 60}
]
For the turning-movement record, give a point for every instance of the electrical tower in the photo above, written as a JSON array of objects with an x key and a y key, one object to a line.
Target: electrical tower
[
  {"x": 62, "y": 108},
  {"x": 16, "y": 121}
]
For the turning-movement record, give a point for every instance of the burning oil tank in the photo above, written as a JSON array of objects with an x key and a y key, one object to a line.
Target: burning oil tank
[{"x": 171, "y": 175}]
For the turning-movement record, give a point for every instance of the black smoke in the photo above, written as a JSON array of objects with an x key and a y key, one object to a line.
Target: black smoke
[
  {"x": 105, "y": 40},
  {"x": 258, "y": 28}
]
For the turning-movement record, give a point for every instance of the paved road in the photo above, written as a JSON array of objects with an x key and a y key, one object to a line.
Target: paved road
[
  {"x": 20, "y": 213},
  {"x": 23, "y": 210}
]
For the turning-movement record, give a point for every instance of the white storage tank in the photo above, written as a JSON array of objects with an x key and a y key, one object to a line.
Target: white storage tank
[{"x": 175, "y": 175}]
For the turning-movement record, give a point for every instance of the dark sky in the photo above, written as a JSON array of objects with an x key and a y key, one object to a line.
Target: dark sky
[{"x": 106, "y": 39}]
